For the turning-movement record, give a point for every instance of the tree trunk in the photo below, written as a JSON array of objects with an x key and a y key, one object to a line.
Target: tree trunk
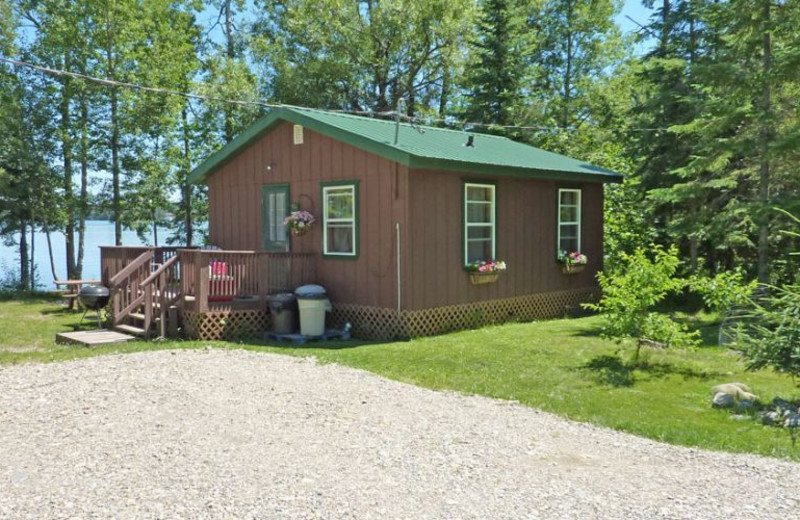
[
  {"x": 115, "y": 173},
  {"x": 694, "y": 248},
  {"x": 445, "y": 94},
  {"x": 155, "y": 229},
  {"x": 32, "y": 284},
  {"x": 24, "y": 274},
  {"x": 83, "y": 202},
  {"x": 46, "y": 228},
  {"x": 186, "y": 185},
  {"x": 692, "y": 37},
  {"x": 665, "y": 28},
  {"x": 766, "y": 137},
  {"x": 230, "y": 52},
  {"x": 568, "y": 69},
  {"x": 66, "y": 150}
]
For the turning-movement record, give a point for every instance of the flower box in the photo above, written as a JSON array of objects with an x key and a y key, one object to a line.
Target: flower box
[
  {"x": 481, "y": 278},
  {"x": 573, "y": 269}
]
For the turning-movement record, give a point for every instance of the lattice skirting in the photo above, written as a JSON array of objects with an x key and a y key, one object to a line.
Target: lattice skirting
[
  {"x": 225, "y": 324},
  {"x": 384, "y": 324},
  {"x": 378, "y": 323}
]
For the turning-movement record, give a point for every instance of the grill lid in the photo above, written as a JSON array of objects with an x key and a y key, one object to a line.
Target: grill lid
[{"x": 97, "y": 291}]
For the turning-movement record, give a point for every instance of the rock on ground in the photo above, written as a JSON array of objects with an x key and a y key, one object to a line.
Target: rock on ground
[{"x": 232, "y": 434}]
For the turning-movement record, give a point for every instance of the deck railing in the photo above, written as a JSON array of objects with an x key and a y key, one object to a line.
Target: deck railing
[
  {"x": 198, "y": 279},
  {"x": 219, "y": 276}
]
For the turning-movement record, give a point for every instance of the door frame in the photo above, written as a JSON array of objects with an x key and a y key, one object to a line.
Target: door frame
[{"x": 265, "y": 190}]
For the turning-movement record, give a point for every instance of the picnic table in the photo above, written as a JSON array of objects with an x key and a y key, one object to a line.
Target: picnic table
[{"x": 72, "y": 289}]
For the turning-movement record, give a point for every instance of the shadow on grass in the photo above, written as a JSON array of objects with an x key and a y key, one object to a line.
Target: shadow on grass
[
  {"x": 613, "y": 371},
  {"x": 709, "y": 334},
  {"x": 589, "y": 332},
  {"x": 61, "y": 311},
  {"x": 29, "y": 298},
  {"x": 331, "y": 344},
  {"x": 709, "y": 330}
]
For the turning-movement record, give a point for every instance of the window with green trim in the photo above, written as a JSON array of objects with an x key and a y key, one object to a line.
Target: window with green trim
[
  {"x": 569, "y": 220},
  {"x": 339, "y": 220},
  {"x": 479, "y": 222}
]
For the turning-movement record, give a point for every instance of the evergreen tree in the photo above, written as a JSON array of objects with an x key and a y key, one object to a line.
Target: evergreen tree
[{"x": 496, "y": 75}]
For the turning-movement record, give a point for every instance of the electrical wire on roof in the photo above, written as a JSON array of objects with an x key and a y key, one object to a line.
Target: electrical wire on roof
[{"x": 415, "y": 122}]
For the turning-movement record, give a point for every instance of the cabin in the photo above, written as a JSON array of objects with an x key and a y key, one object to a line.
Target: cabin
[{"x": 400, "y": 213}]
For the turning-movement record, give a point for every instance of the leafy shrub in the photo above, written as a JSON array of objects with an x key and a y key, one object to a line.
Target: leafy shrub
[
  {"x": 631, "y": 293},
  {"x": 770, "y": 337},
  {"x": 724, "y": 291}
]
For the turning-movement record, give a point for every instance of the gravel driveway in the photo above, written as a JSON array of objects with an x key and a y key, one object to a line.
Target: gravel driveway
[{"x": 232, "y": 434}]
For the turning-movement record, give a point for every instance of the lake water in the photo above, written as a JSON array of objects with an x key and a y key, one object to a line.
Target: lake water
[{"x": 98, "y": 233}]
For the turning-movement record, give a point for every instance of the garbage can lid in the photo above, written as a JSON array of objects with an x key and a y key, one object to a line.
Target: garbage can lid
[
  {"x": 284, "y": 297},
  {"x": 310, "y": 292}
]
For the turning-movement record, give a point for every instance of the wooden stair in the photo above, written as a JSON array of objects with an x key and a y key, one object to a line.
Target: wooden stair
[
  {"x": 144, "y": 297},
  {"x": 130, "y": 329}
]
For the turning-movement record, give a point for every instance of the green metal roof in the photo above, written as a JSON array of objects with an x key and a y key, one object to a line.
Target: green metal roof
[{"x": 434, "y": 148}]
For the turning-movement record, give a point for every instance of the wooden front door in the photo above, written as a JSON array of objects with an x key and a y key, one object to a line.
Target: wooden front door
[{"x": 275, "y": 208}]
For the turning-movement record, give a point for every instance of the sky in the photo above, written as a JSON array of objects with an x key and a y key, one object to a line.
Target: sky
[{"x": 635, "y": 10}]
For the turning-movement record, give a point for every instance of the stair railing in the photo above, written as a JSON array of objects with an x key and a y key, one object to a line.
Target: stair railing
[
  {"x": 161, "y": 286},
  {"x": 125, "y": 286}
]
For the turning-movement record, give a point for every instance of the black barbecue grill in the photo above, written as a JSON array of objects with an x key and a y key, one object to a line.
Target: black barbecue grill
[{"x": 94, "y": 298}]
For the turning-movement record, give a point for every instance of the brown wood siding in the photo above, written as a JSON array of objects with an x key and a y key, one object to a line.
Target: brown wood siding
[
  {"x": 428, "y": 206},
  {"x": 235, "y": 208},
  {"x": 526, "y": 239}
]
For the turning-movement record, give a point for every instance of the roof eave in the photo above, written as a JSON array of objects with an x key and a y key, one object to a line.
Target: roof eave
[{"x": 604, "y": 176}]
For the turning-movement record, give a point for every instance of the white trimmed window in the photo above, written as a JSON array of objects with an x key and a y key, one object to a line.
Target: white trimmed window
[
  {"x": 339, "y": 220},
  {"x": 479, "y": 222},
  {"x": 569, "y": 220}
]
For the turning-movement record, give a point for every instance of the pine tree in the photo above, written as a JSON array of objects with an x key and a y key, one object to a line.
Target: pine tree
[{"x": 496, "y": 74}]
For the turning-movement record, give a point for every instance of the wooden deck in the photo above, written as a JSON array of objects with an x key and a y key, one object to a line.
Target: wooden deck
[{"x": 92, "y": 338}]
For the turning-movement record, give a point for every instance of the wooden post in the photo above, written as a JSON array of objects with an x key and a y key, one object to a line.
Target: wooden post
[
  {"x": 162, "y": 303},
  {"x": 172, "y": 321},
  {"x": 201, "y": 296},
  {"x": 148, "y": 310}
]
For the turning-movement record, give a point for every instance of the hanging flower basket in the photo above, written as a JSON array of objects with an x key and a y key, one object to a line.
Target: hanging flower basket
[
  {"x": 299, "y": 222},
  {"x": 481, "y": 278}
]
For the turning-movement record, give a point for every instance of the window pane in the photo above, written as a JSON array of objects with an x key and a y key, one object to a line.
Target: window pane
[
  {"x": 479, "y": 193},
  {"x": 569, "y": 214},
  {"x": 479, "y": 233},
  {"x": 479, "y": 212},
  {"x": 281, "y": 212},
  {"x": 340, "y": 203},
  {"x": 272, "y": 223},
  {"x": 479, "y": 250},
  {"x": 340, "y": 238},
  {"x": 569, "y": 238},
  {"x": 569, "y": 197}
]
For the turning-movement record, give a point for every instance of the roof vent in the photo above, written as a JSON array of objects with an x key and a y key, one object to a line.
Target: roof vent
[
  {"x": 470, "y": 141},
  {"x": 298, "y": 134}
]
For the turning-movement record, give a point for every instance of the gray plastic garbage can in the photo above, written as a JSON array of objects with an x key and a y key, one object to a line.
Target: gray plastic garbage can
[
  {"x": 283, "y": 307},
  {"x": 313, "y": 303}
]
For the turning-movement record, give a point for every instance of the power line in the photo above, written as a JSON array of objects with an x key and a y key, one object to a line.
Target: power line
[
  {"x": 414, "y": 121},
  {"x": 114, "y": 83}
]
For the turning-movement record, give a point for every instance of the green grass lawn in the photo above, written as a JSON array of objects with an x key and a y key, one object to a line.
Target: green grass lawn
[{"x": 561, "y": 366}]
